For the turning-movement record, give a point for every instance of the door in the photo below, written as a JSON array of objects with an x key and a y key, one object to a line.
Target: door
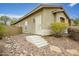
[
  {"x": 38, "y": 24},
  {"x": 25, "y": 27}
]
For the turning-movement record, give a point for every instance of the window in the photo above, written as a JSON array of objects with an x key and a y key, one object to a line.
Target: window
[
  {"x": 25, "y": 25},
  {"x": 62, "y": 19},
  {"x": 33, "y": 20},
  {"x": 19, "y": 25}
]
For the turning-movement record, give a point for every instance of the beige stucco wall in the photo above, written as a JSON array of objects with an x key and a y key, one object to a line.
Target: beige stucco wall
[
  {"x": 48, "y": 17},
  {"x": 31, "y": 24}
]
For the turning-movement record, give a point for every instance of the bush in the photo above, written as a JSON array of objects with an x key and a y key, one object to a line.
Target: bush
[
  {"x": 58, "y": 28},
  {"x": 9, "y": 31},
  {"x": 14, "y": 30},
  {"x": 2, "y": 30}
]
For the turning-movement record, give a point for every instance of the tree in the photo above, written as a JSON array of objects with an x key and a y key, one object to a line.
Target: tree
[
  {"x": 76, "y": 21},
  {"x": 13, "y": 21},
  {"x": 4, "y": 19}
]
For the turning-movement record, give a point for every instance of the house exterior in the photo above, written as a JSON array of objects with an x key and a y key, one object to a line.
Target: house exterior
[{"x": 39, "y": 20}]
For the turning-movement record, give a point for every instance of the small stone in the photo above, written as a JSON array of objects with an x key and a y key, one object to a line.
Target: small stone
[
  {"x": 8, "y": 45},
  {"x": 72, "y": 51},
  {"x": 21, "y": 54},
  {"x": 25, "y": 52},
  {"x": 55, "y": 48},
  {"x": 17, "y": 54},
  {"x": 31, "y": 54}
]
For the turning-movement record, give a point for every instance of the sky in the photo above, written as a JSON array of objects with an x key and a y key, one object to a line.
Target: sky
[{"x": 17, "y": 10}]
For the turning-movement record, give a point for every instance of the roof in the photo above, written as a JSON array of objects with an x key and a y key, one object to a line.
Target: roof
[
  {"x": 64, "y": 14},
  {"x": 36, "y": 9},
  {"x": 61, "y": 11}
]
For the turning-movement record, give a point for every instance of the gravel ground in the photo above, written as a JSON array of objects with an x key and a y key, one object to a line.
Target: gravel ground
[{"x": 18, "y": 46}]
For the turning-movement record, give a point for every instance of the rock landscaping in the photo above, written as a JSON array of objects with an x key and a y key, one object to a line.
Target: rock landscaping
[
  {"x": 19, "y": 46},
  {"x": 73, "y": 51},
  {"x": 55, "y": 48},
  {"x": 74, "y": 32}
]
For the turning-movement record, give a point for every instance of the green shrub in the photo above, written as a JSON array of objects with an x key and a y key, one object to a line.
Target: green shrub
[
  {"x": 58, "y": 28},
  {"x": 9, "y": 31},
  {"x": 2, "y": 30}
]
